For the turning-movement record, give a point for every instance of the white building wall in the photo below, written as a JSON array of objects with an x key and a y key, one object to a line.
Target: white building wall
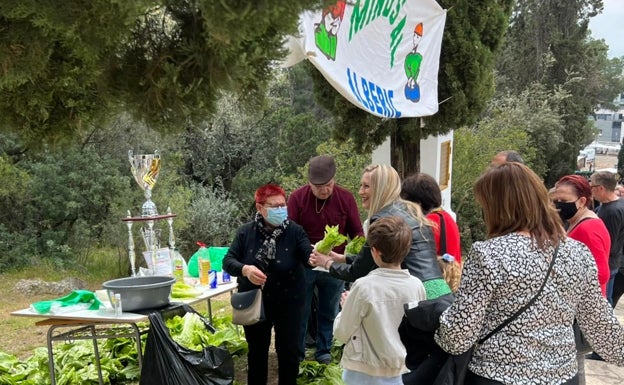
[{"x": 429, "y": 161}]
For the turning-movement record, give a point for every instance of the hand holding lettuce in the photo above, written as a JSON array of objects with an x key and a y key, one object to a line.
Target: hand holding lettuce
[{"x": 331, "y": 239}]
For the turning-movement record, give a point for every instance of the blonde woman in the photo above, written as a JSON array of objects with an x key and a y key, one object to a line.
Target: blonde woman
[{"x": 380, "y": 189}]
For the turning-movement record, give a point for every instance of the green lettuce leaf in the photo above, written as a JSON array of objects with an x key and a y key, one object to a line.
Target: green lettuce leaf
[
  {"x": 331, "y": 239},
  {"x": 355, "y": 245}
]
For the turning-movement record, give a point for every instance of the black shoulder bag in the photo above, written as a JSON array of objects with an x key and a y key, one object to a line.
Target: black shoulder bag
[{"x": 455, "y": 369}]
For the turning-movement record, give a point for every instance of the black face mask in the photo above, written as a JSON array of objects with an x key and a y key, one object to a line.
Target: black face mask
[{"x": 566, "y": 209}]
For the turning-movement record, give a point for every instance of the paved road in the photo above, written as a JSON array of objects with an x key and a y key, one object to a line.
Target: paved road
[{"x": 601, "y": 373}]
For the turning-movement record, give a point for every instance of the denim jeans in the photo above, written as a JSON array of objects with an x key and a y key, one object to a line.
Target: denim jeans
[{"x": 329, "y": 291}]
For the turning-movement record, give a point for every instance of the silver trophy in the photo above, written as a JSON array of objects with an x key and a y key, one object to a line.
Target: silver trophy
[{"x": 145, "y": 169}]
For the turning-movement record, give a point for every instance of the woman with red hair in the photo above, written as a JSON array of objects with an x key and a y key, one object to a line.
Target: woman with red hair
[
  {"x": 572, "y": 197},
  {"x": 271, "y": 252}
]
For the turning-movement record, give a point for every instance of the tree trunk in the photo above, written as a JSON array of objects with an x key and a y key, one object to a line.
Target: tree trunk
[{"x": 405, "y": 147}]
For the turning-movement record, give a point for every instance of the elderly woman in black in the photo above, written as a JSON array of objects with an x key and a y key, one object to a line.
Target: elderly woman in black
[{"x": 271, "y": 252}]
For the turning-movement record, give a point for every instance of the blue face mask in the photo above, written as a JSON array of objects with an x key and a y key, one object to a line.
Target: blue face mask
[{"x": 276, "y": 215}]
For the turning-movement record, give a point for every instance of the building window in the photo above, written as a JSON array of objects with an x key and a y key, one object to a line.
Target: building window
[
  {"x": 616, "y": 125},
  {"x": 445, "y": 164}
]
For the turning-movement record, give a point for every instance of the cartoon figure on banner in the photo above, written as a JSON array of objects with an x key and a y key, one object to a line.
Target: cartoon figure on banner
[
  {"x": 325, "y": 32},
  {"x": 412, "y": 67}
]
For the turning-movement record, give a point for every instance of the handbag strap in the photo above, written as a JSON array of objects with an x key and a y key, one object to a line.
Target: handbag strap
[
  {"x": 523, "y": 308},
  {"x": 442, "y": 234}
]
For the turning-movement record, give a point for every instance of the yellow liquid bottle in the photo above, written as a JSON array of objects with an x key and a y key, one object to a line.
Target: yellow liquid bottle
[{"x": 204, "y": 270}]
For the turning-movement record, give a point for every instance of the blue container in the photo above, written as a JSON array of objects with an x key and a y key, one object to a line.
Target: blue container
[{"x": 212, "y": 279}]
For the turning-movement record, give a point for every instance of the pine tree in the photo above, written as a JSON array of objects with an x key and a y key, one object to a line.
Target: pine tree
[{"x": 68, "y": 64}]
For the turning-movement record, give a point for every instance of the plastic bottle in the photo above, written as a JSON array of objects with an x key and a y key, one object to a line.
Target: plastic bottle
[
  {"x": 204, "y": 269},
  {"x": 116, "y": 299},
  {"x": 212, "y": 278},
  {"x": 177, "y": 267}
]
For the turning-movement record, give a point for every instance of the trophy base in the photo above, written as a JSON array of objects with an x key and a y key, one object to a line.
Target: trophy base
[{"x": 149, "y": 209}]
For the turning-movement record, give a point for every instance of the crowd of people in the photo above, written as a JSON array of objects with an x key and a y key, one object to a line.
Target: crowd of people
[{"x": 409, "y": 299}]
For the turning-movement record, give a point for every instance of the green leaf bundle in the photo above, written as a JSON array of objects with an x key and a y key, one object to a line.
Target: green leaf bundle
[
  {"x": 355, "y": 245},
  {"x": 331, "y": 239}
]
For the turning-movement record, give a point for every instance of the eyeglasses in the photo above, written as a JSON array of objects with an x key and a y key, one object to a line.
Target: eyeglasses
[
  {"x": 275, "y": 205},
  {"x": 594, "y": 185}
]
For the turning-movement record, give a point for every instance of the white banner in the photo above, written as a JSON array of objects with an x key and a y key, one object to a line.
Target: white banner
[{"x": 382, "y": 55}]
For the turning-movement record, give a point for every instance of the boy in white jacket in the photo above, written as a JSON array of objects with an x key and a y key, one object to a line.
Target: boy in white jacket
[{"x": 373, "y": 309}]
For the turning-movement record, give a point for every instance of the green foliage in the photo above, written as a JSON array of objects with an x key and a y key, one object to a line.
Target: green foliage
[
  {"x": 355, "y": 245},
  {"x": 332, "y": 238},
  {"x": 563, "y": 60},
  {"x": 501, "y": 129},
  {"x": 190, "y": 332},
  {"x": 213, "y": 217},
  {"x": 119, "y": 357},
  {"x": 67, "y": 65},
  {"x": 473, "y": 35},
  {"x": 71, "y": 199},
  {"x": 53, "y": 58},
  {"x": 314, "y": 373}
]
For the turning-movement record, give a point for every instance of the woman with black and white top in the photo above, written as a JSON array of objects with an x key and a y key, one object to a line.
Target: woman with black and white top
[{"x": 504, "y": 272}]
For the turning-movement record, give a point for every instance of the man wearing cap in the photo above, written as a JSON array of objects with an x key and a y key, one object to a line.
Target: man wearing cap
[{"x": 319, "y": 203}]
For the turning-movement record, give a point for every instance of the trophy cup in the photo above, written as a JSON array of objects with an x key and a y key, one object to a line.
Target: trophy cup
[{"x": 145, "y": 169}]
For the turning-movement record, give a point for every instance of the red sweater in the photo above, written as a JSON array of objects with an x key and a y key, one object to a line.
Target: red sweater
[
  {"x": 453, "y": 245},
  {"x": 594, "y": 234},
  {"x": 339, "y": 209}
]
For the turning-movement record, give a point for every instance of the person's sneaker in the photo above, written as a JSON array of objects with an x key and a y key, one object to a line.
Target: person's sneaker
[{"x": 324, "y": 359}]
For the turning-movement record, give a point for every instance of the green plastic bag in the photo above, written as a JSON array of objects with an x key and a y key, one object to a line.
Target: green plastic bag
[
  {"x": 73, "y": 298},
  {"x": 216, "y": 257},
  {"x": 193, "y": 264}
]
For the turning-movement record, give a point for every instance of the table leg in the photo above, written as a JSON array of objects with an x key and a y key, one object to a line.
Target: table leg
[
  {"x": 51, "y": 356},
  {"x": 209, "y": 309},
  {"x": 137, "y": 336},
  {"x": 96, "y": 351}
]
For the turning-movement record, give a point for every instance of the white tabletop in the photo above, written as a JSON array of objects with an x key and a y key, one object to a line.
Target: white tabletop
[{"x": 105, "y": 313}]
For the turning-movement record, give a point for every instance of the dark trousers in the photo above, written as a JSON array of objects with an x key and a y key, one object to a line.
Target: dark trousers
[
  {"x": 618, "y": 288},
  {"x": 473, "y": 379},
  {"x": 285, "y": 317}
]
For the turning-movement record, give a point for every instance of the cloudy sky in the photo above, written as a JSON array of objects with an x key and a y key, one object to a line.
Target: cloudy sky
[{"x": 609, "y": 25}]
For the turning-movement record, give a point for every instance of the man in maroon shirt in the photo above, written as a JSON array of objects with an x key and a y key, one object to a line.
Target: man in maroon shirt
[{"x": 319, "y": 203}]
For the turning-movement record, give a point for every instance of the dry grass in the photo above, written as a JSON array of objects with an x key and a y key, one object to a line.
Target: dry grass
[{"x": 19, "y": 335}]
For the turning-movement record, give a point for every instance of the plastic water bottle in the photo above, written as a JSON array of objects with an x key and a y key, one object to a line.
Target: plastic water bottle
[{"x": 177, "y": 265}]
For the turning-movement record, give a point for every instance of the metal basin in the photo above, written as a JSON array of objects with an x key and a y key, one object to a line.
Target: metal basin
[{"x": 138, "y": 293}]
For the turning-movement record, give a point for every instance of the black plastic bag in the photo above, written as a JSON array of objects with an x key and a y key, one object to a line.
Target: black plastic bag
[{"x": 165, "y": 362}]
